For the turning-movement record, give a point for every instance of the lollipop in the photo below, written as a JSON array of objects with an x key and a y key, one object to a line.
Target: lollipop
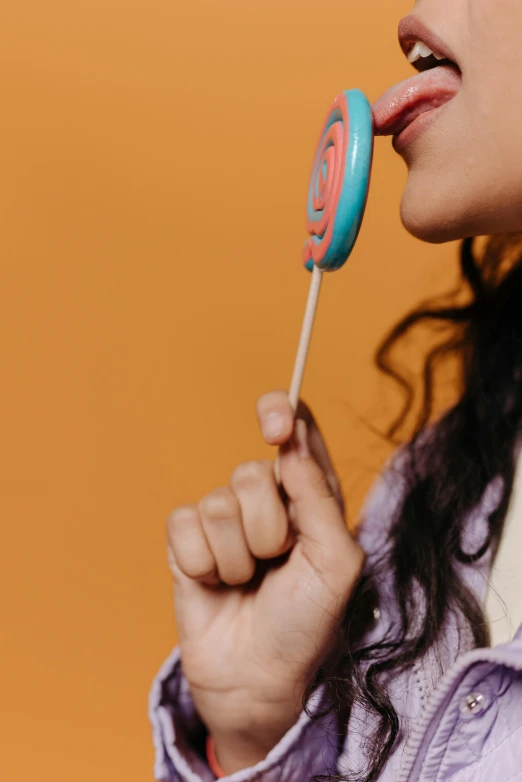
[
  {"x": 336, "y": 203},
  {"x": 339, "y": 183}
]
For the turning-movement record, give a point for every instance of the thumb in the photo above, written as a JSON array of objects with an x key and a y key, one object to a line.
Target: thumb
[{"x": 316, "y": 513}]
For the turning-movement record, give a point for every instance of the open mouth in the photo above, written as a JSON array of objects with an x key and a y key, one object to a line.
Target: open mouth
[{"x": 438, "y": 80}]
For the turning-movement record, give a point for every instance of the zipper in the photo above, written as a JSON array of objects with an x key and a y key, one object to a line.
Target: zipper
[{"x": 412, "y": 761}]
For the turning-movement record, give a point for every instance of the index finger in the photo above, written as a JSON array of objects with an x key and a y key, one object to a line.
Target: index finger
[{"x": 276, "y": 417}]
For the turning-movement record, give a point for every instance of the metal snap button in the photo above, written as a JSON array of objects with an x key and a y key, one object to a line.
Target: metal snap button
[{"x": 473, "y": 704}]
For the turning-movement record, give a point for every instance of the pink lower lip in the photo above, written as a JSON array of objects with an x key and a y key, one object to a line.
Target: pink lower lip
[
  {"x": 409, "y": 107},
  {"x": 414, "y": 129}
]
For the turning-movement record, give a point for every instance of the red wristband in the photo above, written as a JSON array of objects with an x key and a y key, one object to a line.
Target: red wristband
[{"x": 211, "y": 758}]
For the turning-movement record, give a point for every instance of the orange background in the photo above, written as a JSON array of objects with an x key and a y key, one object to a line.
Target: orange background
[{"x": 154, "y": 164}]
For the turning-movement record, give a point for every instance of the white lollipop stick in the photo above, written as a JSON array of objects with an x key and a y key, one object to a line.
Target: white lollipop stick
[
  {"x": 304, "y": 345},
  {"x": 336, "y": 201}
]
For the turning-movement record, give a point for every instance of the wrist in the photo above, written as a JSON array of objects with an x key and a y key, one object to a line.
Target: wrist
[{"x": 231, "y": 753}]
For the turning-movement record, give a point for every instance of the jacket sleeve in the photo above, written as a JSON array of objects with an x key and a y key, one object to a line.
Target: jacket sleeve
[{"x": 308, "y": 748}]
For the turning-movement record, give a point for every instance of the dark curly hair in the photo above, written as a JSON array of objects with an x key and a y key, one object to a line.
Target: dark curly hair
[{"x": 446, "y": 475}]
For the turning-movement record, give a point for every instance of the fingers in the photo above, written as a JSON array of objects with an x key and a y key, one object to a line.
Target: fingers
[
  {"x": 208, "y": 541},
  {"x": 276, "y": 417},
  {"x": 220, "y": 540},
  {"x": 264, "y": 516},
  {"x": 189, "y": 553},
  {"x": 222, "y": 522}
]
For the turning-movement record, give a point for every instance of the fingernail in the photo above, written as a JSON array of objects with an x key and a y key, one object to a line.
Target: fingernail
[
  {"x": 273, "y": 426},
  {"x": 301, "y": 438}
]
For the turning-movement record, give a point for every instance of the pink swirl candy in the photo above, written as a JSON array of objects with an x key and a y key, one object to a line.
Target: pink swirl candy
[{"x": 339, "y": 183}]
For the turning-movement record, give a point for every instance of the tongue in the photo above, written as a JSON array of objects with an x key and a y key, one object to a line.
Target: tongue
[{"x": 400, "y": 105}]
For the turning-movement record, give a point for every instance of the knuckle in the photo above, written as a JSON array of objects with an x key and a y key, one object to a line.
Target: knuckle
[
  {"x": 181, "y": 515},
  {"x": 183, "y": 512},
  {"x": 249, "y": 474},
  {"x": 219, "y": 504}
]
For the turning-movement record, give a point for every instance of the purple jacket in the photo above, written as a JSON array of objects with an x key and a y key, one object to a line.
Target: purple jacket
[{"x": 463, "y": 726}]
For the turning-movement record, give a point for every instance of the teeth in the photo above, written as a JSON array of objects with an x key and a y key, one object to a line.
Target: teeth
[{"x": 421, "y": 50}]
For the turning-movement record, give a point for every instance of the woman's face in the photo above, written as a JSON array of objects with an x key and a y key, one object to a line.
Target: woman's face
[{"x": 465, "y": 166}]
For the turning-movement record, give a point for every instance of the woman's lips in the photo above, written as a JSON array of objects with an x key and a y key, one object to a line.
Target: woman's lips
[{"x": 403, "y": 103}]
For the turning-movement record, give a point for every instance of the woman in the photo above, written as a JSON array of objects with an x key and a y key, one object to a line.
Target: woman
[{"x": 306, "y": 653}]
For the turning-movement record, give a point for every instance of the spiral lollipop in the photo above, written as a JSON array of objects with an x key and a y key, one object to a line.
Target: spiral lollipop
[
  {"x": 336, "y": 202},
  {"x": 339, "y": 183}
]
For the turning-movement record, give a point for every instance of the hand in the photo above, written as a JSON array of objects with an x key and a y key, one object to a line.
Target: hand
[{"x": 261, "y": 586}]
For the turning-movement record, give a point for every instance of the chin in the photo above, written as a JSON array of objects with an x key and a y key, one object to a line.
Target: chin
[
  {"x": 432, "y": 220},
  {"x": 443, "y": 212}
]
